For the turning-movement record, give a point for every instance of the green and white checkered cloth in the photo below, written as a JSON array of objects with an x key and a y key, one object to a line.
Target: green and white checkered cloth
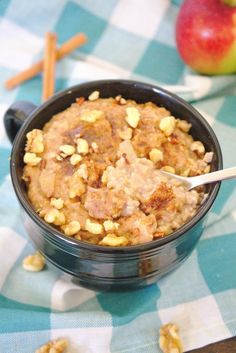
[{"x": 127, "y": 39}]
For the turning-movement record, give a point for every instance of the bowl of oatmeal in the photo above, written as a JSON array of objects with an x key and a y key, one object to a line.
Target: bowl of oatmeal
[{"x": 87, "y": 169}]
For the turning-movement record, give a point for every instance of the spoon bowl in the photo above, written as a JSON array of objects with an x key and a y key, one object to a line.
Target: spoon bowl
[{"x": 192, "y": 182}]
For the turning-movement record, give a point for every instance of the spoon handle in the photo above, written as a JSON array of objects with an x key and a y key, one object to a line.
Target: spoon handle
[{"x": 219, "y": 175}]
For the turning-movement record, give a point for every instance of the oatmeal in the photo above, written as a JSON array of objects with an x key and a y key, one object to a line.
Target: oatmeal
[{"x": 94, "y": 171}]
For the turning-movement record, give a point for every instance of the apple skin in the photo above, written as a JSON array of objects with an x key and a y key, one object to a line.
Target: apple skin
[{"x": 206, "y": 36}]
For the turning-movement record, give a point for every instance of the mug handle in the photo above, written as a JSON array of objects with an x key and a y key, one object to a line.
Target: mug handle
[{"x": 15, "y": 116}]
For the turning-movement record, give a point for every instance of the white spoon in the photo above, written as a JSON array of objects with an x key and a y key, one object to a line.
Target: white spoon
[{"x": 192, "y": 182}]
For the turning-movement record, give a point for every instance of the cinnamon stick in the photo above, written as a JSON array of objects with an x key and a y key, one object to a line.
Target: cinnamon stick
[
  {"x": 49, "y": 65},
  {"x": 65, "y": 49}
]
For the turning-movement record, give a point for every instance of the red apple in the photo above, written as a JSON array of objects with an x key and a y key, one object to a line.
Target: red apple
[{"x": 206, "y": 35}]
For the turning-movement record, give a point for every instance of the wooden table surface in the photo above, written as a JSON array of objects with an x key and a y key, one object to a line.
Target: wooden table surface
[{"x": 226, "y": 346}]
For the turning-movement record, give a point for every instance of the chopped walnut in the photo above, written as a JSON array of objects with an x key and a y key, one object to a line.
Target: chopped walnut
[
  {"x": 169, "y": 169},
  {"x": 114, "y": 240},
  {"x": 110, "y": 226},
  {"x": 35, "y": 141},
  {"x": 75, "y": 159},
  {"x": 67, "y": 150},
  {"x": 90, "y": 116},
  {"x": 197, "y": 147},
  {"x": 83, "y": 171},
  {"x": 59, "y": 158},
  {"x": 57, "y": 203},
  {"x": 156, "y": 155},
  {"x": 120, "y": 100},
  {"x": 167, "y": 125},
  {"x": 55, "y": 216},
  {"x": 31, "y": 159},
  {"x": 82, "y": 146},
  {"x": 33, "y": 263},
  {"x": 71, "y": 228},
  {"x": 117, "y": 98},
  {"x": 169, "y": 340},
  {"x": 132, "y": 117},
  {"x": 55, "y": 346},
  {"x": 92, "y": 227},
  {"x": 94, "y": 96}
]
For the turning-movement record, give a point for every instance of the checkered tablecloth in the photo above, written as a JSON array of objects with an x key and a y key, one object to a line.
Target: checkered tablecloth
[{"x": 127, "y": 39}]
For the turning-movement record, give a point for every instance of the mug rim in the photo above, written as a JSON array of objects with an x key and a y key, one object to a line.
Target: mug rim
[{"x": 58, "y": 236}]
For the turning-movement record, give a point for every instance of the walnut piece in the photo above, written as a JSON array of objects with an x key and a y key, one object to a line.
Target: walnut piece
[
  {"x": 82, "y": 146},
  {"x": 34, "y": 142},
  {"x": 167, "y": 125},
  {"x": 156, "y": 155},
  {"x": 55, "y": 216},
  {"x": 114, "y": 240},
  {"x": 132, "y": 117},
  {"x": 110, "y": 226},
  {"x": 31, "y": 159},
  {"x": 92, "y": 227},
  {"x": 119, "y": 99},
  {"x": 169, "y": 340},
  {"x": 33, "y": 263},
  {"x": 75, "y": 159},
  {"x": 72, "y": 228},
  {"x": 94, "y": 96},
  {"x": 57, "y": 203},
  {"x": 122, "y": 101},
  {"x": 169, "y": 169},
  {"x": 55, "y": 346},
  {"x": 83, "y": 171},
  {"x": 67, "y": 150},
  {"x": 197, "y": 147}
]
